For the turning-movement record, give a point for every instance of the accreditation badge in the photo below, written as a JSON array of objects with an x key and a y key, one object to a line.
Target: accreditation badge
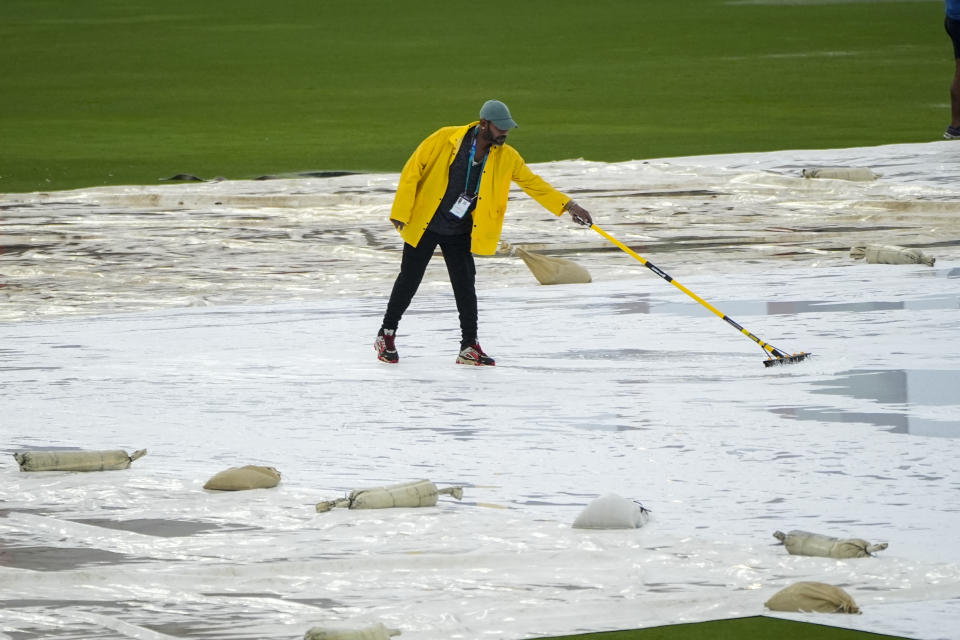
[{"x": 462, "y": 205}]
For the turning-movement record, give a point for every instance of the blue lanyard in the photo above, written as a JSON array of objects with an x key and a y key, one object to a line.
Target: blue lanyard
[{"x": 473, "y": 150}]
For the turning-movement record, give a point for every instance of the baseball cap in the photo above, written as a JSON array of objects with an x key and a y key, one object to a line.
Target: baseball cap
[{"x": 497, "y": 113}]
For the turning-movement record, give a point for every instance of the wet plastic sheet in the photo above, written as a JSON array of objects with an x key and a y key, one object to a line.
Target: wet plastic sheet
[{"x": 621, "y": 385}]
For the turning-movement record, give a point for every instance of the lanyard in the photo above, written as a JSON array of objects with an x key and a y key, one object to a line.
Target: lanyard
[{"x": 473, "y": 150}]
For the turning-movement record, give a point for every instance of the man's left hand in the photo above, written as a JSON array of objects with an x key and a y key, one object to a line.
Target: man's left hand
[{"x": 579, "y": 214}]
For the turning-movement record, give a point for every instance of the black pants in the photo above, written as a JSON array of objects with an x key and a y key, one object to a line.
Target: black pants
[
  {"x": 460, "y": 268},
  {"x": 953, "y": 30}
]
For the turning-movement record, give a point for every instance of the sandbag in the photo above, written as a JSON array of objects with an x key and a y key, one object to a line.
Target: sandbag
[
  {"x": 812, "y": 597},
  {"x": 244, "y": 478},
  {"x": 858, "y": 174},
  {"x": 890, "y": 254},
  {"x": 549, "y": 270},
  {"x": 76, "y": 460},
  {"x": 376, "y": 632},
  {"x": 419, "y": 493},
  {"x": 612, "y": 512},
  {"x": 804, "y": 543}
]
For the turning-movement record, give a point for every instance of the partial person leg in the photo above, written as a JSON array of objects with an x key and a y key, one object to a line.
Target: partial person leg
[
  {"x": 953, "y": 131},
  {"x": 955, "y": 97}
]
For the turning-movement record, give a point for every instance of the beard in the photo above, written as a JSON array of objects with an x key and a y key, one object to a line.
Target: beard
[{"x": 495, "y": 141}]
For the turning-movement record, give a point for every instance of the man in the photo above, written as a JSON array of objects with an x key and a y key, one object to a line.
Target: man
[
  {"x": 453, "y": 194},
  {"x": 952, "y": 23}
]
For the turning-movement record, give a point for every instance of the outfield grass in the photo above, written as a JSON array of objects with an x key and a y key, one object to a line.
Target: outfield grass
[
  {"x": 130, "y": 91},
  {"x": 752, "y": 628}
]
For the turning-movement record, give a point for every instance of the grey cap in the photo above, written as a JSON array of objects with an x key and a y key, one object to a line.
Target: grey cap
[{"x": 497, "y": 113}]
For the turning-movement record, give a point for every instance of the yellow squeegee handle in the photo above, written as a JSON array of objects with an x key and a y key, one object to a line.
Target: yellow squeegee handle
[{"x": 657, "y": 270}]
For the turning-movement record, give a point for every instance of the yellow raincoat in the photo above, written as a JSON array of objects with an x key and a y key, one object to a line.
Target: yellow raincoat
[{"x": 424, "y": 181}]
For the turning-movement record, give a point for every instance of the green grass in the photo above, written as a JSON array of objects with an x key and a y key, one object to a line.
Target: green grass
[
  {"x": 753, "y": 628},
  {"x": 130, "y": 91}
]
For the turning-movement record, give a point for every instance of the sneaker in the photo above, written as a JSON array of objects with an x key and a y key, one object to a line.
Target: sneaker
[
  {"x": 386, "y": 349},
  {"x": 473, "y": 354},
  {"x": 952, "y": 133}
]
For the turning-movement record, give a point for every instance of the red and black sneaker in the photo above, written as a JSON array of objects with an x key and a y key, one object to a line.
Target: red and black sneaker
[
  {"x": 386, "y": 349},
  {"x": 473, "y": 354}
]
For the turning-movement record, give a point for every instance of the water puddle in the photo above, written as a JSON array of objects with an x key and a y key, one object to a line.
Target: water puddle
[
  {"x": 48, "y": 558},
  {"x": 740, "y": 308},
  {"x": 154, "y": 526},
  {"x": 907, "y": 392}
]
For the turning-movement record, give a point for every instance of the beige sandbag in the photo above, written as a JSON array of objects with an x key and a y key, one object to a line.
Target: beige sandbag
[
  {"x": 419, "y": 493},
  {"x": 857, "y": 174},
  {"x": 890, "y": 254},
  {"x": 804, "y": 543},
  {"x": 244, "y": 478},
  {"x": 814, "y": 597},
  {"x": 376, "y": 632},
  {"x": 549, "y": 270},
  {"x": 76, "y": 460},
  {"x": 612, "y": 512}
]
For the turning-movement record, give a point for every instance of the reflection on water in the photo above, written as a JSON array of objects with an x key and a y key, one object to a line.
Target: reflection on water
[
  {"x": 790, "y": 308},
  {"x": 643, "y": 303},
  {"x": 913, "y": 395}
]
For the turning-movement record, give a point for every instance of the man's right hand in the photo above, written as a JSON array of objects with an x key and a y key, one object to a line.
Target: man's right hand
[
  {"x": 579, "y": 214},
  {"x": 399, "y": 225}
]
